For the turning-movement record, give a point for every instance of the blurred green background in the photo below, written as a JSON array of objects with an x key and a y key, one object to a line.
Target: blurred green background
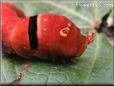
[{"x": 95, "y": 66}]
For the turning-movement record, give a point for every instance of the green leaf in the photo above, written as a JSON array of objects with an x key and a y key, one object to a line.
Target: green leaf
[{"x": 95, "y": 66}]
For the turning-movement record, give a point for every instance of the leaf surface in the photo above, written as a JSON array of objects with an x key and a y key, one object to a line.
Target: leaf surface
[{"x": 95, "y": 66}]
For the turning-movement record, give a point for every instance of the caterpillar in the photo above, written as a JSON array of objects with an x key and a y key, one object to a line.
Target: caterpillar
[{"x": 43, "y": 35}]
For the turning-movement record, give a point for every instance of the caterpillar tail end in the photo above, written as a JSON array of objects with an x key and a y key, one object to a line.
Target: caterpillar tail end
[{"x": 90, "y": 37}]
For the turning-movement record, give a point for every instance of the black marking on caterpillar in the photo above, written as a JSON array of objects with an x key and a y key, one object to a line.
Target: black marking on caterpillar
[{"x": 33, "y": 32}]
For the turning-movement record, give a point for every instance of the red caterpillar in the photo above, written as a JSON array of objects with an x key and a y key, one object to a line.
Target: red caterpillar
[{"x": 41, "y": 35}]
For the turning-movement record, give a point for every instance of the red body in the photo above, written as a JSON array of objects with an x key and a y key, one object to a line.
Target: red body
[{"x": 56, "y": 34}]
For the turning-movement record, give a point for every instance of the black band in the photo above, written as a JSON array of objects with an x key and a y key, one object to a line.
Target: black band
[{"x": 33, "y": 32}]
